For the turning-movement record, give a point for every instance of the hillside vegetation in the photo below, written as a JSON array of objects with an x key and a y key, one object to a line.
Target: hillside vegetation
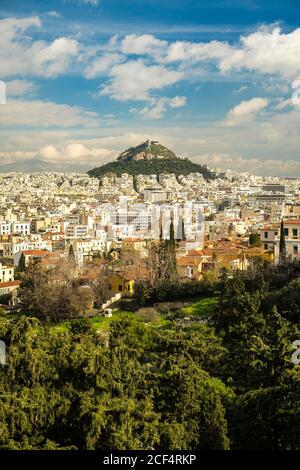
[
  {"x": 152, "y": 167},
  {"x": 150, "y": 158}
]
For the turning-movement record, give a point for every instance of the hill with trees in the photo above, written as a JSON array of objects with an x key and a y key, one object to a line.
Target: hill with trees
[{"x": 150, "y": 158}]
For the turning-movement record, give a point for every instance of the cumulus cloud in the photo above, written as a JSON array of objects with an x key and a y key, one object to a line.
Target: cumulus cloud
[
  {"x": 266, "y": 51},
  {"x": 103, "y": 64},
  {"x": 53, "y": 59},
  {"x": 144, "y": 44},
  {"x": 21, "y": 55},
  {"x": 267, "y": 167},
  {"x": 76, "y": 153},
  {"x": 16, "y": 88},
  {"x": 245, "y": 112},
  {"x": 134, "y": 80},
  {"x": 39, "y": 113},
  {"x": 158, "y": 106},
  {"x": 177, "y": 101}
]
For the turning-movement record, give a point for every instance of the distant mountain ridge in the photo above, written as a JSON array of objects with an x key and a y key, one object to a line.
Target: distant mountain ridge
[
  {"x": 32, "y": 166},
  {"x": 150, "y": 158}
]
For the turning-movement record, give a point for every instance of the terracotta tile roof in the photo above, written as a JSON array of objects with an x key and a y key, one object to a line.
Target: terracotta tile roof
[
  {"x": 36, "y": 252},
  {"x": 291, "y": 222},
  {"x": 10, "y": 284}
]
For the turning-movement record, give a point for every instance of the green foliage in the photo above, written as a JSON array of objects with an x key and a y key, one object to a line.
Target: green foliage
[
  {"x": 282, "y": 246},
  {"x": 151, "y": 167},
  {"x": 21, "y": 268},
  {"x": 72, "y": 390},
  {"x": 287, "y": 301},
  {"x": 254, "y": 239},
  {"x": 225, "y": 382}
]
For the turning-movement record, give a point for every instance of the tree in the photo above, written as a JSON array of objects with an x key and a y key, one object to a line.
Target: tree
[
  {"x": 255, "y": 340},
  {"x": 183, "y": 237},
  {"x": 71, "y": 257},
  {"x": 282, "y": 246},
  {"x": 254, "y": 239},
  {"x": 31, "y": 292},
  {"x": 22, "y": 264},
  {"x": 55, "y": 293}
]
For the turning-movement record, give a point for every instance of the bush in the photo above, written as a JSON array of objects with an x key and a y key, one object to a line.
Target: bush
[{"x": 148, "y": 315}]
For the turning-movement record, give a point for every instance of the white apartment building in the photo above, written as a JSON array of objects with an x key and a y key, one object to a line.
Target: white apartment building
[
  {"x": 5, "y": 228},
  {"x": 85, "y": 249},
  {"x": 76, "y": 231},
  {"x": 13, "y": 250},
  {"x": 7, "y": 273},
  {"x": 292, "y": 237},
  {"x": 22, "y": 228},
  {"x": 270, "y": 237}
]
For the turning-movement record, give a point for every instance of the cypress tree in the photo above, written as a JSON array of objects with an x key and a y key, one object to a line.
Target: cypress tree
[
  {"x": 183, "y": 231},
  {"x": 282, "y": 246},
  {"x": 22, "y": 264}
]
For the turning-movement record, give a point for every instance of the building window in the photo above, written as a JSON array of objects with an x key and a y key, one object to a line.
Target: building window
[
  {"x": 266, "y": 246},
  {"x": 120, "y": 287},
  {"x": 266, "y": 234},
  {"x": 295, "y": 232},
  {"x": 295, "y": 250},
  {"x": 286, "y": 232}
]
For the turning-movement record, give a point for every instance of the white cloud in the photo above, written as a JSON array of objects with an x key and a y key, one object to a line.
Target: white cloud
[
  {"x": 16, "y": 88},
  {"x": 268, "y": 167},
  {"x": 266, "y": 51},
  {"x": 21, "y": 55},
  {"x": 76, "y": 153},
  {"x": 102, "y": 65},
  {"x": 55, "y": 58},
  {"x": 240, "y": 89},
  {"x": 91, "y": 2},
  {"x": 197, "y": 52},
  {"x": 244, "y": 112},
  {"x": 134, "y": 80},
  {"x": 54, "y": 14},
  {"x": 178, "y": 101},
  {"x": 144, "y": 44},
  {"x": 158, "y": 106},
  {"x": 45, "y": 114}
]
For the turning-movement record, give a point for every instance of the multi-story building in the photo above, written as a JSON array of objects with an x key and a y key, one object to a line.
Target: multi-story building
[
  {"x": 22, "y": 228},
  {"x": 6, "y": 273},
  {"x": 270, "y": 238},
  {"x": 5, "y": 228}
]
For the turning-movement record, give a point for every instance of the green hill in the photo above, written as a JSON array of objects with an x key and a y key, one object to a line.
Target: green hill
[{"x": 150, "y": 158}]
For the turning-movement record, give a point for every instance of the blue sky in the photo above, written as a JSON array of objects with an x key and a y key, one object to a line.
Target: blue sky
[{"x": 216, "y": 81}]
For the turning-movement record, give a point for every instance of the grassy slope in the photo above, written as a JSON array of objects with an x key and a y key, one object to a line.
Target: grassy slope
[{"x": 201, "y": 308}]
